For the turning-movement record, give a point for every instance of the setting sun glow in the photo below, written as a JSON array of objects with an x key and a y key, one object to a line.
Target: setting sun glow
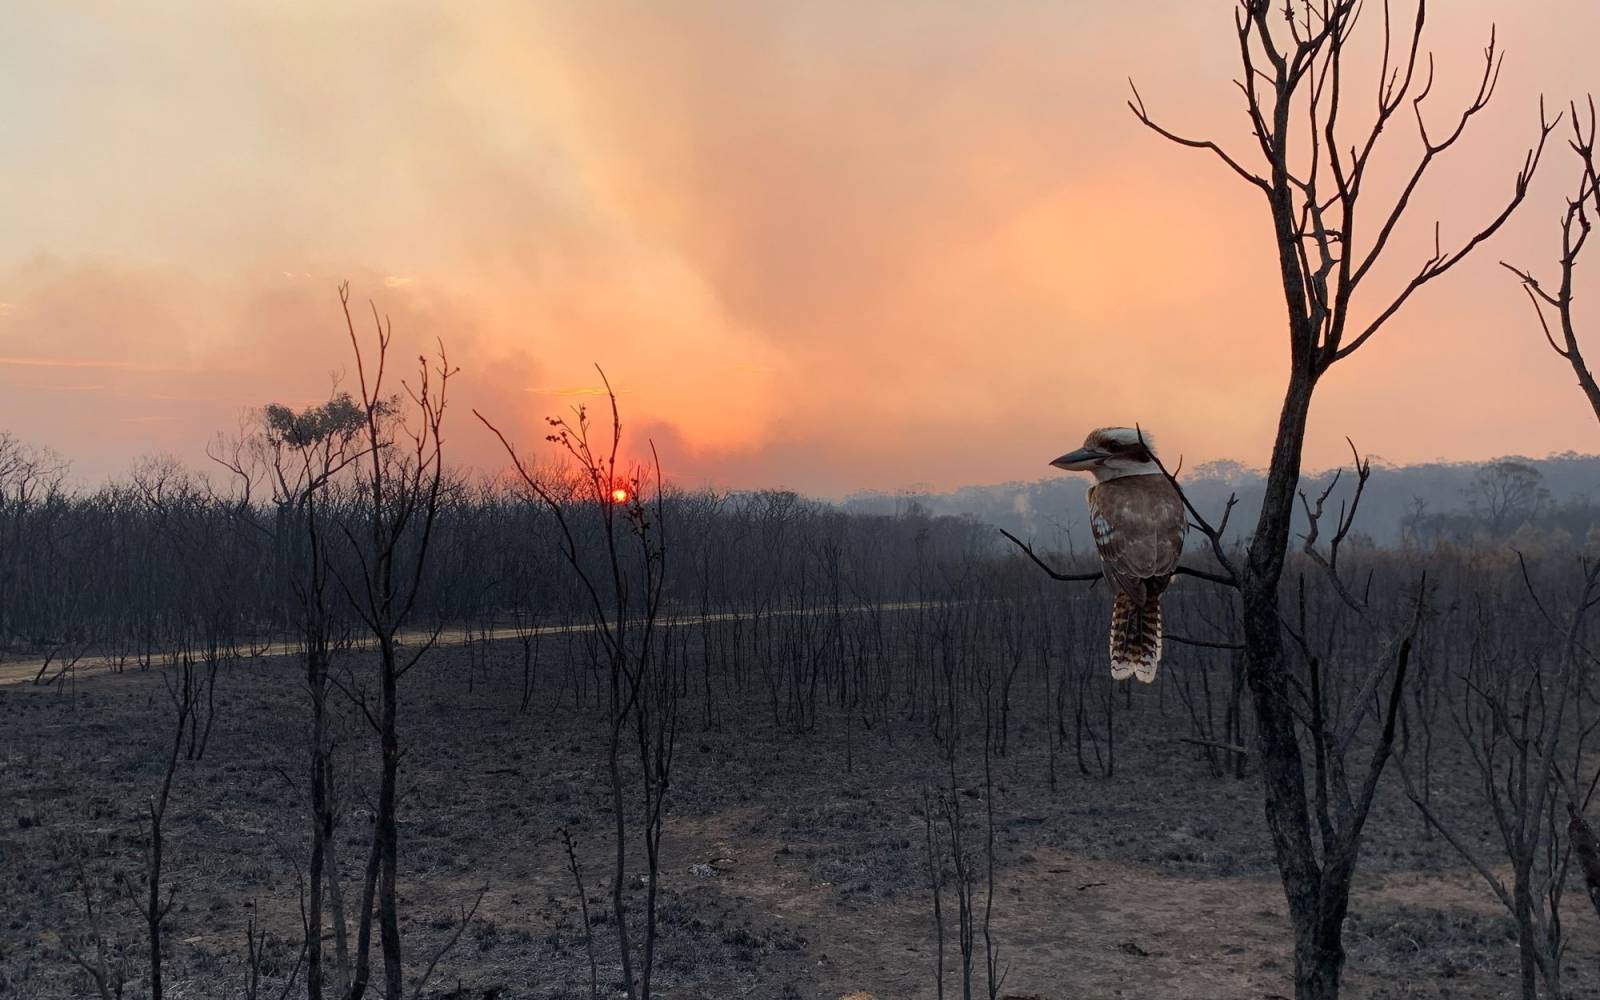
[{"x": 619, "y": 495}]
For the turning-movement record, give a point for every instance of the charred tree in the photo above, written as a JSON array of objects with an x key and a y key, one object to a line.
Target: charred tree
[{"x": 1313, "y": 179}]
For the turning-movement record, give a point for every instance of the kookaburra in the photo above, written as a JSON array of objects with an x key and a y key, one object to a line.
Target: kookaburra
[{"x": 1138, "y": 522}]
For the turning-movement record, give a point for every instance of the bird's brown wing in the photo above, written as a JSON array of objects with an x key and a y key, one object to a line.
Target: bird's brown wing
[{"x": 1138, "y": 524}]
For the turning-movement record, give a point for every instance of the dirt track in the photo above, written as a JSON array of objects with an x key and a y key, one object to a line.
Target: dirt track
[{"x": 26, "y": 669}]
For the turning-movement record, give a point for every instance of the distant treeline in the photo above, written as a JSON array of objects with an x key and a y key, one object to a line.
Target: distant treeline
[
  {"x": 1551, "y": 499},
  {"x": 177, "y": 554},
  {"x": 172, "y": 554}
]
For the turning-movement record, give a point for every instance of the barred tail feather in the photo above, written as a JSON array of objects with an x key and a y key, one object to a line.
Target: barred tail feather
[{"x": 1135, "y": 638}]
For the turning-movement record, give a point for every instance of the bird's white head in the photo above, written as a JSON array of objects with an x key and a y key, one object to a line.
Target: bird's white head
[{"x": 1112, "y": 452}]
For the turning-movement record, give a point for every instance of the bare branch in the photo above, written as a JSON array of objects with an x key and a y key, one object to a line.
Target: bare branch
[
  {"x": 1441, "y": 261},
  {"x": 1213, "y": 534},
  {"x": 1137, "y": 107},
  {"x": 1053, "y": 573},
  {"x": 449, "y": 944},
  {"x": 1345, "y": 521}
]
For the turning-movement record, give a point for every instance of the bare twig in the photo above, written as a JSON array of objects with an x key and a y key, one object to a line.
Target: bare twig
[{"x": 445, "y": 949}]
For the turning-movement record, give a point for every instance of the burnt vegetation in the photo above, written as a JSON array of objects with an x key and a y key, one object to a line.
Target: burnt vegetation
[
  {"x": 577, "y": 745},
  {"x": 332, "y": 718}
]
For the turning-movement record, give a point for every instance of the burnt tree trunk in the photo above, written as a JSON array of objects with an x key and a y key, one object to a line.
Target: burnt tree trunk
[
  {"x": 320, "y": 831},
  {"x": 387, "y": 832},
  {"x": 1316, "y": 905}
]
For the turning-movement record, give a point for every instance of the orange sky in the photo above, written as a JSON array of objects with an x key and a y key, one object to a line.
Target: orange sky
[{"x": 827, "y": 245}]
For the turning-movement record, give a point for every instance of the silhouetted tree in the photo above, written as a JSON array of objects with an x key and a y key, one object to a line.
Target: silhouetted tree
[
  {"x": 1505, "y": 493},
  {"x": 391, "y": 536},
  {"x": 1312, "y": 175},
  {"x": 623, "y": 588},
  {"x": 301, "y": 454},
  {"x": 1576, "y": 223}
]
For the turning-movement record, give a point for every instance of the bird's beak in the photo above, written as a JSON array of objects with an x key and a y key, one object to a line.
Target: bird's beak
[{"x": 1081, "y": 460}]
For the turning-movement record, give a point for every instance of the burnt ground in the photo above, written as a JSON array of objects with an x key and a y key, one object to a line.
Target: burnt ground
[{"x": 1155, "y": 882}]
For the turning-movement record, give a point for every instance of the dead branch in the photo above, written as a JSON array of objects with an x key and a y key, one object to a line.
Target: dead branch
[
  {"x": 449, "y": 945},
  {"x": 109, "y": 979},
  {"x": 1215, "y": 745},
  {"x": 1576, "y": 225},
  {"x": 1213, "y": 533},
  {"x": 1342, "y": 525},
  {"x": 583, "y": 908}
]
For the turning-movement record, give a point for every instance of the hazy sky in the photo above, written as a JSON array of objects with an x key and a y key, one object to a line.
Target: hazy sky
[{"x": 822, "y": 245}]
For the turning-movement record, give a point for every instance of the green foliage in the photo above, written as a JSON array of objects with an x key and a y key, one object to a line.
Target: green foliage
[{"x": 338, "y": 418}]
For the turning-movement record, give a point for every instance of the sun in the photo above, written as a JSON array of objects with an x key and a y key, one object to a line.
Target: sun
[{"x": 619, "y": 495}]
